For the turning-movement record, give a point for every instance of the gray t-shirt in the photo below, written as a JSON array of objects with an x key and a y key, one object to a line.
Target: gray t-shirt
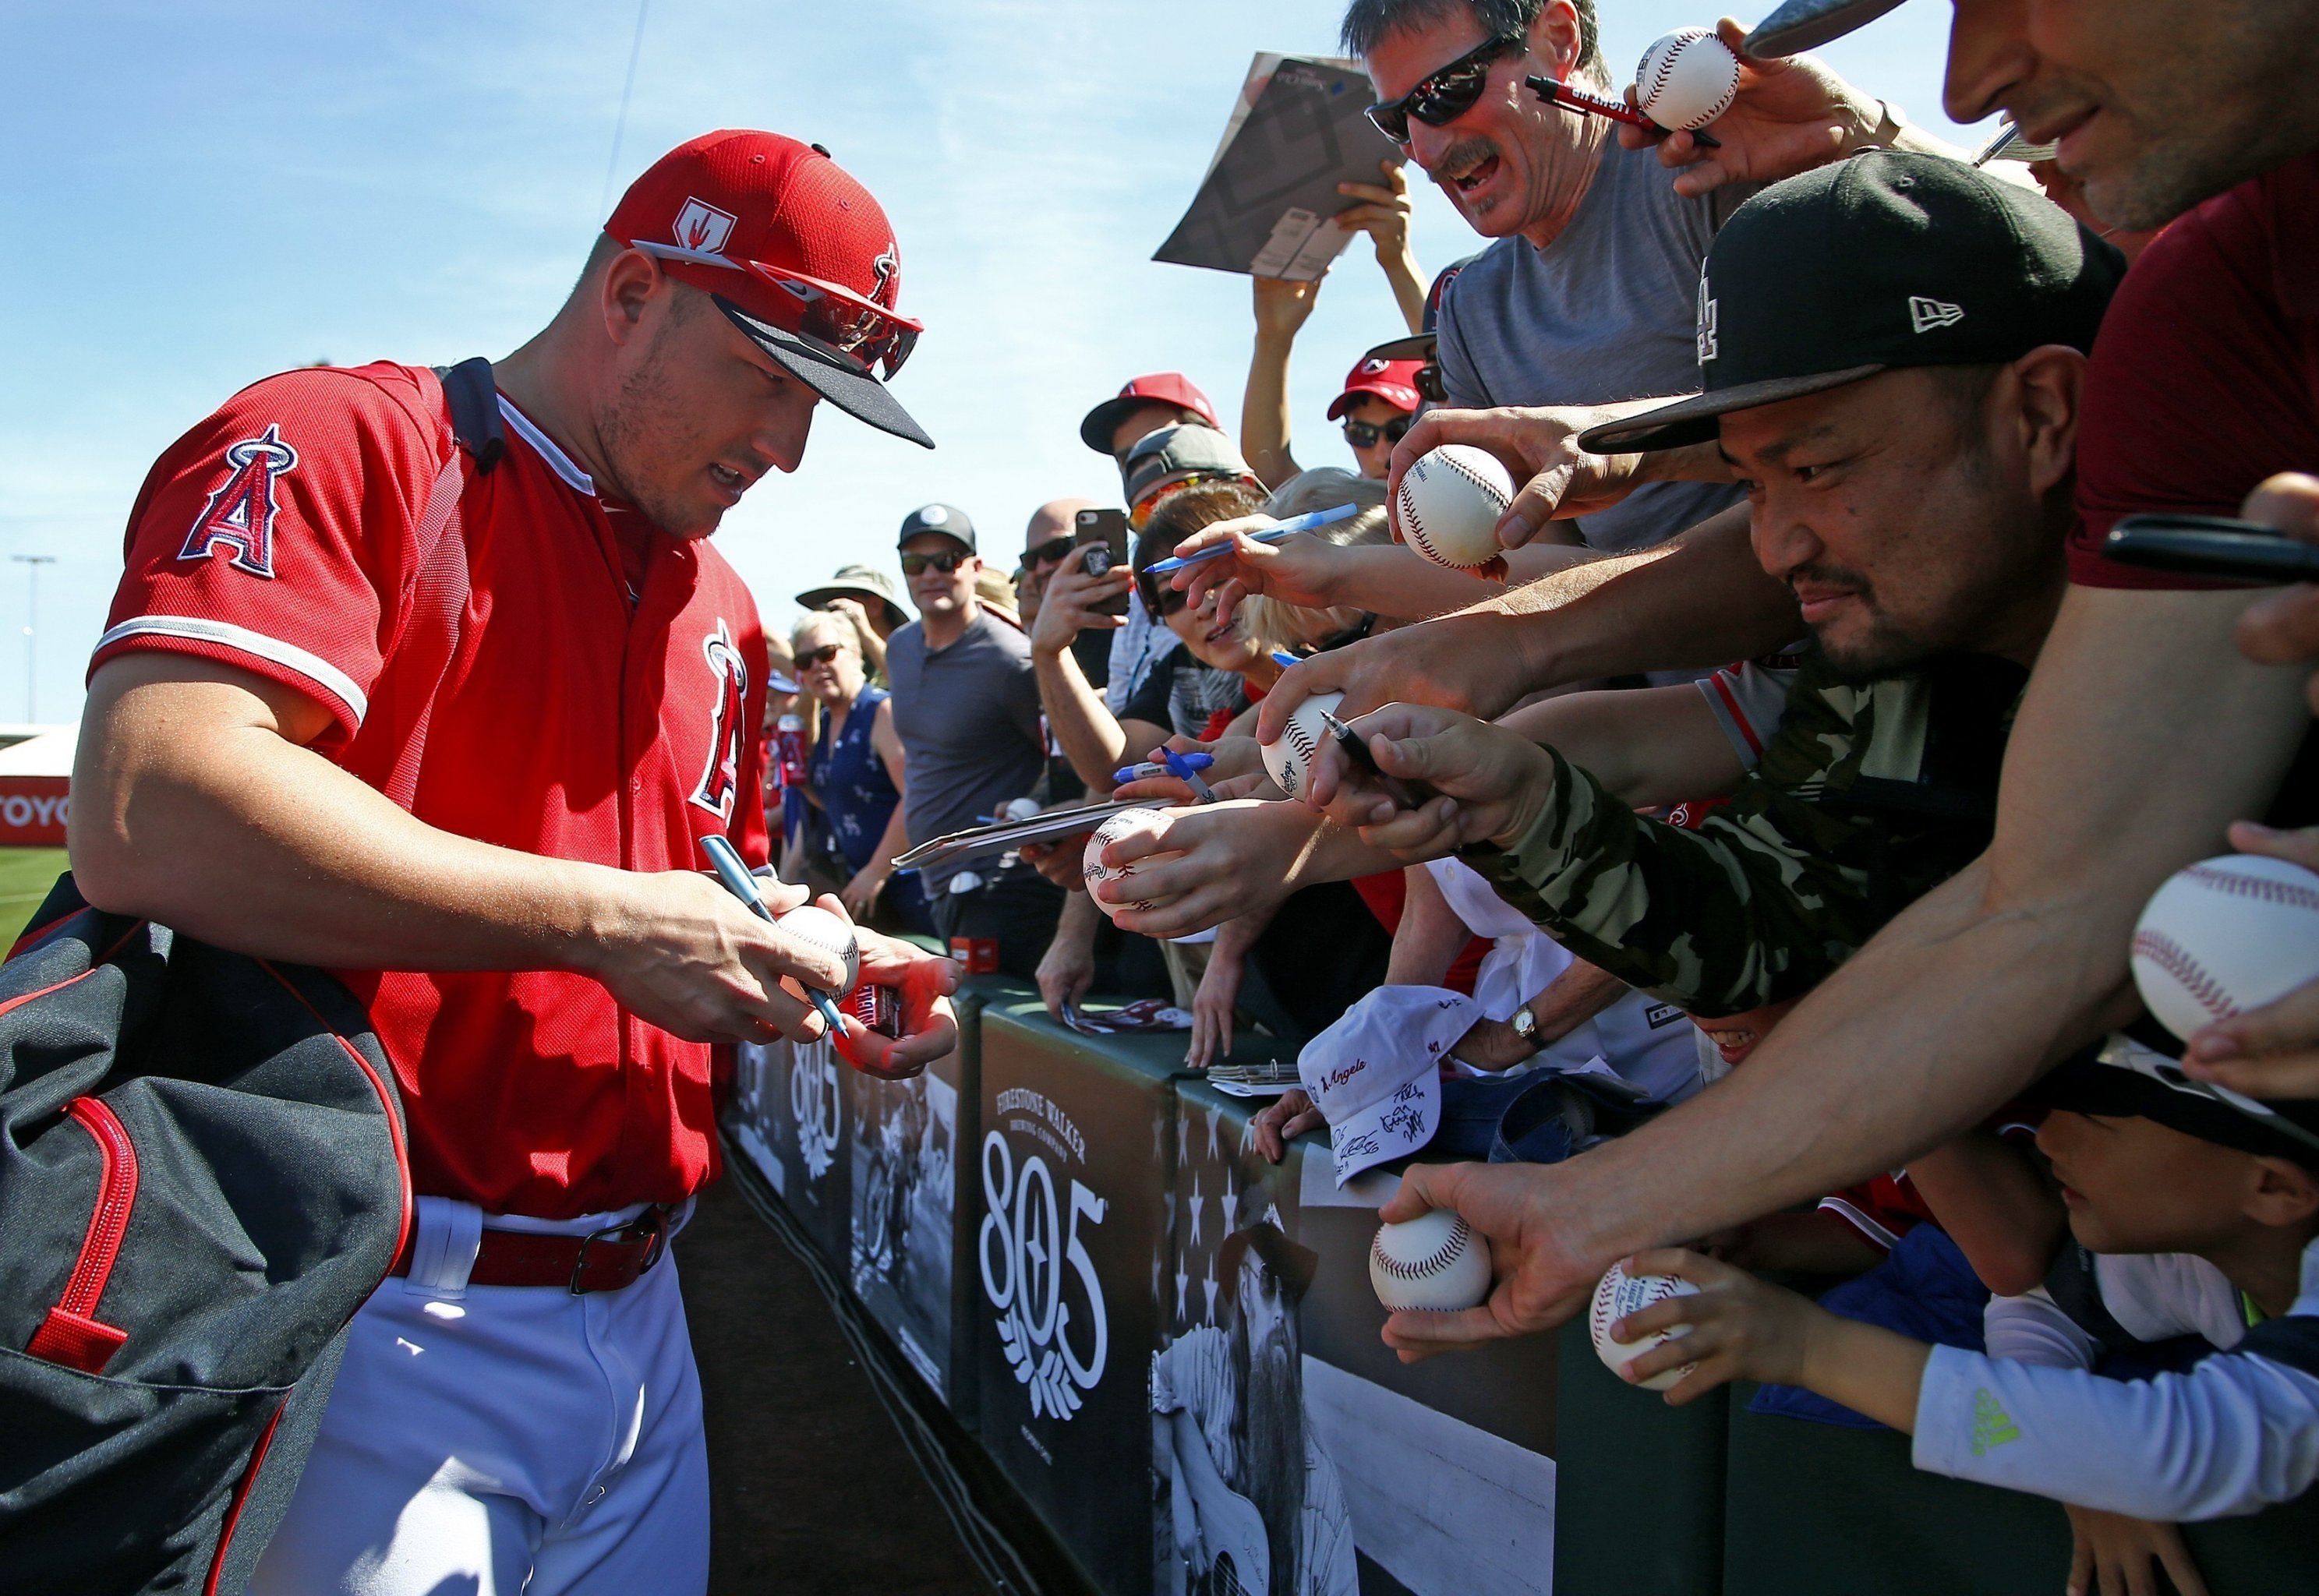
[
  {"x": 1606, "y": 312},
  {"x": 968, "y": 716}
]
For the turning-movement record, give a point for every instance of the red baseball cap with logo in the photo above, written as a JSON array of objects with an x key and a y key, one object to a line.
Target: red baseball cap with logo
[
  {"x": 1159, "y": 387},
  {"x": 1392, "y": 381},
  {"x": 796, "y": 254}
]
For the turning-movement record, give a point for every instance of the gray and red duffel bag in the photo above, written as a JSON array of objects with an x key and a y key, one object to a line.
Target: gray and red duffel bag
[{"x": 202, "y": 1177}]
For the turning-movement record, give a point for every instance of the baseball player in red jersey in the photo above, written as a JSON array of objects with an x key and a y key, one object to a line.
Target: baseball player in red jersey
[{"x": 454, "y": 725}]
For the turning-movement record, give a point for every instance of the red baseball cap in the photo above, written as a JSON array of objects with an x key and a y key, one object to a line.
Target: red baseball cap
[
  {"x": 1392, "y": 381},
  {"x": 1160, "y": 387},
  {"x": 795, "y": 252}
]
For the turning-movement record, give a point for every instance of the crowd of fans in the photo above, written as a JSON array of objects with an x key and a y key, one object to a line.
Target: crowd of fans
[{"x": 1813, "y": 963}]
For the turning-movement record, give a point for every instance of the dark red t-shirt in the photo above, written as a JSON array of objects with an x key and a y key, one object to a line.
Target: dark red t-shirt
[
  {"x": 2205, "y": 378},
  {"x": 600, "y": 703}
]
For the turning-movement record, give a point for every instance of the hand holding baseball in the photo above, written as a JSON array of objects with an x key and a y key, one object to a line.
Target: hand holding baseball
[
  {"x": 1539, "y": 1283},
  {"x": 1221, "y": 860},
  {"x": 1475, "y": 663},
  {"x": 1791, "y": 114},
  {"x": 925, "y": 982},
  {"x": 1556, "y": 478},
  {"x": 2271, "y": 1051},
  {"x": 1487, "y": 782},
  {"x": 1733, "y": 1327}
]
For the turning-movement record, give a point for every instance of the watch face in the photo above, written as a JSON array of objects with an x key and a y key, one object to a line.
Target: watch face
[{"x": 1525, "y": 1023}]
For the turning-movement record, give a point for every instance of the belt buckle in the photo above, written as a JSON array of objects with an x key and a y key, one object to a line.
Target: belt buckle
[{"x": 652, "y": 1221}]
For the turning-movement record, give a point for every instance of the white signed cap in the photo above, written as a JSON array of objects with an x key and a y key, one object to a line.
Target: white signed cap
[{"x": 1375, "y": 1075}]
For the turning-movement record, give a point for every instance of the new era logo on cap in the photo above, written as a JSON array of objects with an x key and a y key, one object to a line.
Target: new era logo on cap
[
  {"x": 1926, "y": 314},
  {"x": 703, "y": 226}
]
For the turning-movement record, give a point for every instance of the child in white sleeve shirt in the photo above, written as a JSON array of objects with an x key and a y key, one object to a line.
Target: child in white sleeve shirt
[{"x": 2152, "y": 1164}]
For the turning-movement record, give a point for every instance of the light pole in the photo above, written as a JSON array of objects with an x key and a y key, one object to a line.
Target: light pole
[{"x": 32, "y": 563}]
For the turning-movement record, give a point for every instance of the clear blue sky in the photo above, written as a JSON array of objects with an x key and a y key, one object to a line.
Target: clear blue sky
[{"x": 203, "y": 193}]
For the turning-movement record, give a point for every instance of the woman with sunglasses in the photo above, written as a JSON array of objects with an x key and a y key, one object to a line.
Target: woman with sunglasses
[
  {"x": 853, "y": 775},
  {"x": 1376, "y": 402}
]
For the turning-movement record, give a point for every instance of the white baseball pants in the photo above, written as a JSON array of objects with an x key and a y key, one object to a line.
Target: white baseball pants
[{"x": 492, "y": 1440}]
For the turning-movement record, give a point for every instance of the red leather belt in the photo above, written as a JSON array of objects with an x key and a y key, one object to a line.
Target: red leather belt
[{"x": 609, "y": 1259}]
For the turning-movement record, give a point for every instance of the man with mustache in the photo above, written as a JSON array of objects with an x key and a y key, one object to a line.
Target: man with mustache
[{"x": 1586, "y": 295}]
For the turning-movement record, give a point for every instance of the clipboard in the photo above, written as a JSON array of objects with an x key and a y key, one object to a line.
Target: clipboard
[{"x": 1004, "y": 836}]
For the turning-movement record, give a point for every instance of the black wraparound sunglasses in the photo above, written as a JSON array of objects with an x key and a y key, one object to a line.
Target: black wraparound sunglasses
[
  {"x": 1363, "y": 435},
  {"x": 1052, "y": 552},
  {"x": 946, "y": 562},
  {"x": 1446, "y": 93}
]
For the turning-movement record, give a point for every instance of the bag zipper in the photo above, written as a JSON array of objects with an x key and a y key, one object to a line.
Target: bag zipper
[{"x": 72, "y": 1334}]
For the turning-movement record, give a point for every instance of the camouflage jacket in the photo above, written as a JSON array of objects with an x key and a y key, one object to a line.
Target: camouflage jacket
[{"x": 1865, "y": 800}]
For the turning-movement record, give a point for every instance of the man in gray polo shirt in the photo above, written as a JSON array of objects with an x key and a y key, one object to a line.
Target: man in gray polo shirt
[{"x": 966, "y": 706}]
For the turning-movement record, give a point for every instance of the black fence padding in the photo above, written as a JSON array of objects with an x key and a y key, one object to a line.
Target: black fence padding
[
  {"x": 1639, "y": 1486},
  {"x": 271, "y": 1196}
]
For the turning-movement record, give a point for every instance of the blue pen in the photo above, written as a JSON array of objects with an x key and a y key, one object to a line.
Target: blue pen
[
  {"x": 1287, "y": 528},
  {"x": 1283, "y": 660},
  {"x": 1138, "y": 772},
  {"x": 1181, "y": 768},
  {"x": 741, "y": 884}
]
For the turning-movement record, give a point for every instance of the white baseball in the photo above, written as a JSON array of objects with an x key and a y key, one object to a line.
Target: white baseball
[
  {"x": 1288, "y": 761},
  {"x": 1687, "y": 80},
  {"x": 1110, "y": 832},
  {"x": 1621, "y": 1293},
  {"x": 830, "y": 933},
  {"x": 2226, "y": 934},
  {"x": 1434, "y": 1261},
  {"x": 1450, "y": 503}
]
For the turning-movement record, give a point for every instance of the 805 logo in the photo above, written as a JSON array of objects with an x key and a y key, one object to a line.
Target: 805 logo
[{"x": 1036, "y": 1270}]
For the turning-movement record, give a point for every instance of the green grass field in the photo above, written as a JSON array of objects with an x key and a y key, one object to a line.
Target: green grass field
[{"x": 26, "y": 874}]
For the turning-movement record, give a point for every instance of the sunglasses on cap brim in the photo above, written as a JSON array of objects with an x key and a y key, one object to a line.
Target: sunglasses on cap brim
[
  {"x": 1447, "y": 93},
  {"x": 859, "y": 331}
]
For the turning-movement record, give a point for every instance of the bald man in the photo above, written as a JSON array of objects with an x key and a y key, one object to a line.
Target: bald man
[{"x": 1045, "y": 543}]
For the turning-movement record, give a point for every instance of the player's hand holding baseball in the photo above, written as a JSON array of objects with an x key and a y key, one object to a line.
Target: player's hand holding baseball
[
  {"x": 1743, "y": 1328},
  {"x": 678, "y": 950},
  {"x": 1791, "y": 114},
  {"x": 924, "y": 981},
  {"x": 1486, "y": 782}
]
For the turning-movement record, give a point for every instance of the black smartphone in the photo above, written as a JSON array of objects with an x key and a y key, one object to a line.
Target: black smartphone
[
  {"x": 2213, "y": 545},
  {"x": 1104, "y": 533}
]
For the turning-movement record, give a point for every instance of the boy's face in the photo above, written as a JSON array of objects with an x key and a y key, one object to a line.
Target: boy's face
[{"x": 2135, "y": 1185}]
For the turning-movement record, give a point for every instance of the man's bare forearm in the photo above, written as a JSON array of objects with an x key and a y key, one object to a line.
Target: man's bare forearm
[
  {"x": 1092, "y": 738},
  {"x": 193, "y": 810},
  {"x": 1698, "y": 602},
  {"x": 1973, "y": 991}
]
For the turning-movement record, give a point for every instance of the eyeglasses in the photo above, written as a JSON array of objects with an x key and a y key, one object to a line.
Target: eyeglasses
[
  {"x": 860, "y": 331},
  {"x": 819, "y": 656},
  {"x": 1052, "y": 552},
  {"x": 1447, "y": 93},
  {"x": 1363, "y": 435},
  {"x": 946, "y": 562}
]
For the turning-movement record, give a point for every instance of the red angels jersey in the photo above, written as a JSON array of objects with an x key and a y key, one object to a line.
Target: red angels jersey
[{"x": 566, "y": 680}]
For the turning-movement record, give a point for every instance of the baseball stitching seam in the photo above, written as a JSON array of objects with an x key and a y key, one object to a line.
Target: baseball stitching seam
[
  {"x": 1666, "y": 66},
  {"x": 2261, "y": 889},
  {"x": 1433, "y": 1263},
  {"x": 1415, "y": 525},
  {"x": 2192, "y": 976}
]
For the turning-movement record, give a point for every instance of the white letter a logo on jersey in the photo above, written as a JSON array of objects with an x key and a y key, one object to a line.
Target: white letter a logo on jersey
[
  {"x": 721, "y": 779},
  {"x": 239, "y": 516}
]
